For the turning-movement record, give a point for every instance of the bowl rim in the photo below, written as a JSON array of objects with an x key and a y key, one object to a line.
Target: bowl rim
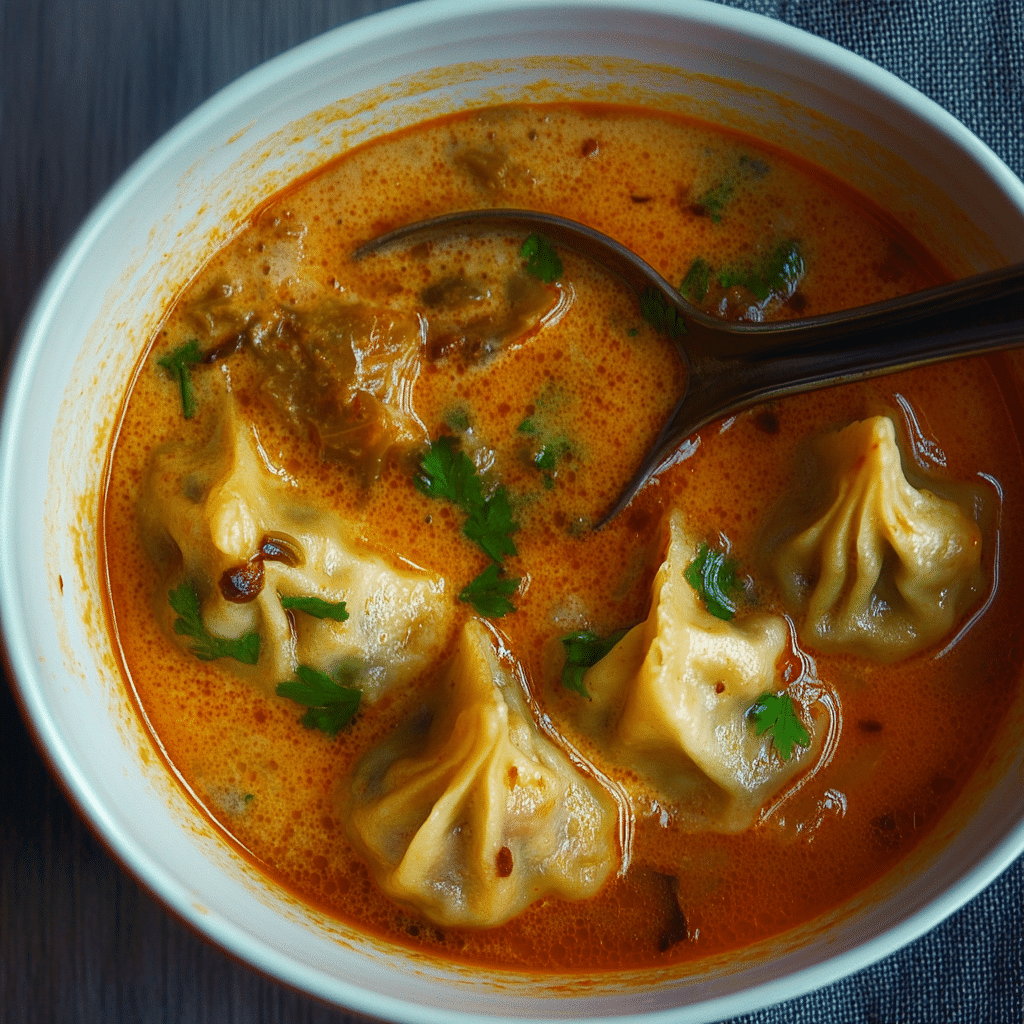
[{"x": 28, "y": 353}]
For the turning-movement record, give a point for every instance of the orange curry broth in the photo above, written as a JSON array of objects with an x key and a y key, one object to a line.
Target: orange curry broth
[{"x": 911, "y": 731}]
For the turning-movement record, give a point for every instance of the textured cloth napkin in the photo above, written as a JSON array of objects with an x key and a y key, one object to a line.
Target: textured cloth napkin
[{"x": 968, "y": 56}]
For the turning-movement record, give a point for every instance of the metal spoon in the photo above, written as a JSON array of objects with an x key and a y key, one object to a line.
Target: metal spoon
[{"x": 732, "y": 366}]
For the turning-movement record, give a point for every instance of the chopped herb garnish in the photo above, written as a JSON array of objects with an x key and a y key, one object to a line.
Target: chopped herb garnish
[
  {"x": 775, "y": 713},
  {"x": 541, "y": 259},
  {"x": 176, "y": 363},
  {"x": 207, "y": 647},
  {"x": 331, "y": 705},
  {"x": 458, "y": 419},
  {"x": 489, "y": 594},
  {"x": 447, "y": 472},
  {"x": 632, "y": 332},
  {"x": 547, "y": 458},
  {"x": 715, "y": 200},
  {"x": 714, "y": 578},
  {"x": 751, "y": 167},
  {"x": 695, "y": 284},
  {"x": 316, "y": 607},
  {"x": 778, "y": 271},
  {"x": 661, "y": 314},
  {"x": 527, "y": 427},
  {"x": 491, "y": 525},
  {"x": 582, "y": 650}
]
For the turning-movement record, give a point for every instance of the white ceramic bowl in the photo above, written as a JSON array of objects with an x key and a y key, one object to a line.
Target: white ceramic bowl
[{"x": 194, "y": 188}]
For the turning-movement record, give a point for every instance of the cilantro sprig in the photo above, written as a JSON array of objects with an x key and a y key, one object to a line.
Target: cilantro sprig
[
  {"x": 446, "y": 472},
  {"x": 550, "y": 452},
  {"x": 490, "y": 526},
  {"x": 176, "y": 363},
  {"x": 713, "y": 202},
  {"x": 315, "y": 606},
  {"x": 583, "y": 649},
  {"x": 695, "y": 285},
  {"x": 778, "y": 270},
  {"x": 775, "y": 713},
  {"x": 661, "y": 314},
  {"x": 184, "y": 600},
  {"x": 714, "y": 577},
  {"x": 489, "y": 593},
  {"x": 541, "y": 259},
  {"x": 332, "y": 705}
]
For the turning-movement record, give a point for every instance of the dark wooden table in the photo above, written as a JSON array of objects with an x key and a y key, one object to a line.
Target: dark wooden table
[{"x": 85, "y": 87}]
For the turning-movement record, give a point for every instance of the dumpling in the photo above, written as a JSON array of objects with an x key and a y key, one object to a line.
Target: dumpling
[
  {"x": 469, "y": 814},
  {"x": 878, "y": 568},
  {"x": 222, "y": 518},
  {"x": 672, "y": 700}
]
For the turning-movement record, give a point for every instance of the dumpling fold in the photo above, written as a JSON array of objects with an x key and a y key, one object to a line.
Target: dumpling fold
[
  {"x": 883, "y": 569},
  {"x": 672, "y": 698},
  {"x": 222, "y": 518},
  {"x": 468, "y": 814}
]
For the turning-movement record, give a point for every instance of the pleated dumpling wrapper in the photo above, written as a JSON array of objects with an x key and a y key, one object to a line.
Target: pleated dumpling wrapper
[
  {"x": 468, "y": 813},
  {"x": 884, "y": 569},
  {"x": 222, "y": 519},
  {"x": 673, "y": 701}
]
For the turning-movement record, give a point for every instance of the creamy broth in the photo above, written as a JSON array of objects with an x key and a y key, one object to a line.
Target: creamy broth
[{"x": 556, "y": 391}]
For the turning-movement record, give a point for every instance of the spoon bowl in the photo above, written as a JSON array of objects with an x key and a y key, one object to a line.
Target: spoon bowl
[{"x": 731, "y": 365}]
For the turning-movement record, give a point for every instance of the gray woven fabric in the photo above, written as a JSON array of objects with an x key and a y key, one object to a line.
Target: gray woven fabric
[{"x": 968, "y": 56}]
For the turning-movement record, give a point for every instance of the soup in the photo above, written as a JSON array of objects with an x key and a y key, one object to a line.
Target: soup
[{"x": 348, "y": 533}]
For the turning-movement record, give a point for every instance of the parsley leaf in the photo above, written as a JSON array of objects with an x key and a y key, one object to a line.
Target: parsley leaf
[
  {"x": 779, "y": 270},
  {"x": 176, "y": 363},
  {"x": 458, "y": 419},
  {"x": 489, "y": 594},
  {"x": 316, "y": 606},
  {"x": 490, "y": 525},
  {"x": 541, "y": 259},
  {"x": 714, "y": 578},
  {"x": 715, "y": 200},
  {"x": 775, "y": 713},
  {"x": 448, "y": 472},
  {"x": 331, "y": 705},
  {"x": 583, "y": 649},
  {"x": 661, "y": 314},
  {"x": 695, "y": 284},
  {"x": 547, "y": 458},
  {"x": 207, "y": 647}
]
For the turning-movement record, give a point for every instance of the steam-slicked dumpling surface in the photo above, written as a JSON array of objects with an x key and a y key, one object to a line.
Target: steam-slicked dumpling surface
[
  {"x": 222, "y": 518},
  {"x": 469, "y": 814},
  {"x": 672, "y": 697},
  {"x": 884, "y": 569}
]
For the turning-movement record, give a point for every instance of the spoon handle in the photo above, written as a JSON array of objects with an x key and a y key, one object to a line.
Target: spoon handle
[
  {"x": 977, "y": 315},
  {"x": 974, "y": 314},
  {"x": 971, "y": 317}
]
